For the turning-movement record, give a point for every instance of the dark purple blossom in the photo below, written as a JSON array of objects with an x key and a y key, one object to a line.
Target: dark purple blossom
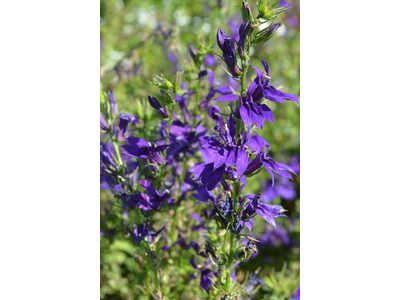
[
  {"x": 226, "y": 152},
  {"x": 157, "y": 106},
  {"x": 243, "y": 32},
  {"x": 113, "y": 104},
  {"x": 139, "y": 148},
  {"x": 182, "y": 100},
  {"x": 223, "y": 90},
  {"x": 270, "y": 165},
  {"x": 103, "y": 123},
  {"x": 227, "y": 45},
  {"x": 266, "y": 211},
  {"x": 142, "y": 231},
  {"x": 205, "y": 276},
  {"x": 124, "y": 120},
  {"x": 151, "y": 200},
  {"x": 183, "y": 139},
  {"x": 251, "y": 109}
]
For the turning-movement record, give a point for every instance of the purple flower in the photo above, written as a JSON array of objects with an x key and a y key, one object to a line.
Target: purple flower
[
  {"x": 243, "y": 32},
  {"x": 139, "y": 148},
  {"x": 256, "y": 143},
  {"x": 224, "y": 90},
  {"x": 215, "y": 114},
  {"x": 226, "y": 152},
  {"x": 209, "y": 177},
  {"x": 233, "y": 151},
  {"x": 206, "y": 274},
  {"x": 227, "y": 46},
  {"x": 108, "y": 157},
  {"x": 113, "y": 104},
  {"x": 151, "y": 200},
  {"x": 142, "y": 231},
  {"x": 103, "y": 123},
  {"x": 157, "y": 106},
  {"x": 124, "y": 120},
  {"x": 182, "y": 100},
  {"x": 270, "y": 165},
  {"x": 251, "y": 110},
  {"x": 266, "y": 211},
  {"x": 183, "y": 138},
  {"x": 205, "y": 279}
]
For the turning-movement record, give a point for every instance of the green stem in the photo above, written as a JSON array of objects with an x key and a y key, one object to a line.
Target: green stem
[
  {"x": 116, "y": 148},
  {"x": 166, "y": 143},
  {"x": 197, "y": 101},
  {"x": 147, "y": 279},
  {"x": 230, "y": 263},
  {"x": 174, "y": 234},
  {"x": 155, "y": 272},
  {"x": 225, "y": 239}
]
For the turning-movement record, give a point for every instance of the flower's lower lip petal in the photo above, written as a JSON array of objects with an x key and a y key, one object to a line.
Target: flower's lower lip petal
[
  {"x": 242, "y": 162},
  {"x": 215, "y": 178}
]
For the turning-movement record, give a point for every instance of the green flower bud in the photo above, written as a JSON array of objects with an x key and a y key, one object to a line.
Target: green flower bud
[
  {"x": 177, "y": 81},
  {"x": 162, "y": 82},
  {"x": 168, "y": 98},
  {"x": 268, "y": 12}
]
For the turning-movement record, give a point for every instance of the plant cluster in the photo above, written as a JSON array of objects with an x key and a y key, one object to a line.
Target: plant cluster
[{"x": 181, "y": 187}]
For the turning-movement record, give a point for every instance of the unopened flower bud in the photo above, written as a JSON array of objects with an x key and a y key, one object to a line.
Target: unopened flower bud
[{"x": 157, "y": 106}]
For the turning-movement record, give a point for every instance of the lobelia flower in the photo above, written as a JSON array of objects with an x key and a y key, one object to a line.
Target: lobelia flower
[
  {"x": 215, "y": 114},
  {"x": 103, "y": 123},
  {"x": 206, "y": 274},
  {"x": 151, "y": 200},
  {"x": 124, "y": 120},
  {"x": 108, "y": 157},
  {"x": 243, "y": 32},
  {"x": 270, "y": 165},
  {"x": 267, "y": 211},
  {"x": 227, "y": 45},
  {"x": 157, "y": 106},
  {"x": 223, "y": 90},
  {"x": 182, "y": 100},
  {"x": 113, "y": 104},
  {"x": 229, "y": 152},
  {"x": 142, "y": 231},
  {"x": 139, "y": 148},
  {"x": 183, "y": 138},
  {"x": 251, "y": 109}
]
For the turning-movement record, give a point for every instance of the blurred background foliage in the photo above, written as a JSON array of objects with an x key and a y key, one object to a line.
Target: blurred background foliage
[{"x": 140, "y": 39}]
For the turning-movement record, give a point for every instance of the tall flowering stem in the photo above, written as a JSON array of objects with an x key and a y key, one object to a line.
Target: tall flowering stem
[
  {"x": 174, "y": 234},
  {"x": 161, "y": 178},
  {"x": 236, "y": 188}
]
